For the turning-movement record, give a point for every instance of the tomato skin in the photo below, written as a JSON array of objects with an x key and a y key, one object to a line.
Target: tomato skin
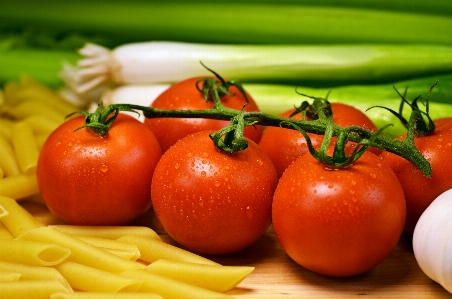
[
  {"x": 283, "y": 146},
  {"x": 338, "y": 222},
  {"x": 420, "y": 191},
  {"x": 86, "y": 179},
  {"x": 185, "y": 96},
  {"x": 212, "y": 202}
]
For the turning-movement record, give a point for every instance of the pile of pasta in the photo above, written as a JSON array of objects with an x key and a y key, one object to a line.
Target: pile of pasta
[
  {"x": 29, "y": 112},
  {"x": 65, "y": 261}
]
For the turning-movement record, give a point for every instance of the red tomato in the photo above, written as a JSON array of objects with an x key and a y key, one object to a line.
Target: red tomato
[
  {"x": 283, "y": 146},
  {"x": 419, "y": 190},
  {"x": 212, "y": 202},
  {"x": 185, "y": 96},
  {"x": 338, "y": 222},
  {"x": 86, "y": 179}
]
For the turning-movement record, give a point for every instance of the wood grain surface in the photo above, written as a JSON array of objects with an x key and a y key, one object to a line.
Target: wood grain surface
[{"x": 277, "y": 276}]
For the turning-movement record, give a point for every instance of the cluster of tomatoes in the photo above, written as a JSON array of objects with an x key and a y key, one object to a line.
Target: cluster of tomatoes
[{"x": 335, "y": 222}]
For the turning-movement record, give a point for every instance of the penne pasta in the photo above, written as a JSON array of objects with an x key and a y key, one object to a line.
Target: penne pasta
[
  {"x": 107, "y": 232},
  {"x": 212, "y": 277},
  {"x": 9, "y": 276},
  {"x": 4, "y": 232},
  {"x": 19, "y": 186},
  {"x": 19, "y": 220},
  {"x": 152, "y": 250},
  {"x": 113, "y": 246},
  {"x": 92, "y": 295},
  {"x": 28, "y": 272},
  {"x": 82, "y": 252},
  {"x": 32, "y": 253},
  {"x": 25, "y": 147},
  {"x": 8, "y": 161},
  {"x": 29, "y": 108},
  {"x": 26, "y": 289},
  {"x": 5, "y": 128},
  {"x": 3, "y": 212},
  {"x": 90, "y": 279},
  {"x": 170, "y": 288},
  {"x": 41, "y": 124}
]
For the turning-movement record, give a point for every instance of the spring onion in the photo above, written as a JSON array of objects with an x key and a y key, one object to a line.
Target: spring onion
[
  {"x": 159, "y": 62},
  {"x": 275, "y": 99},
  {"x": 224, "y": 22}
]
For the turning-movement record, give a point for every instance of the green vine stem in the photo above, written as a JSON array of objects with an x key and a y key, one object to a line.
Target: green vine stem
[{"x": 101, "y": 119}]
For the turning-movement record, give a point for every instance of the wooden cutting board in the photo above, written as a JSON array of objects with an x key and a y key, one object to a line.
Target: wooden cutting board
[{"x": 277, "y": 276}]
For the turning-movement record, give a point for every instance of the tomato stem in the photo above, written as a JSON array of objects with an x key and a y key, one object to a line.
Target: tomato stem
[{"x": 230, "y": 139}]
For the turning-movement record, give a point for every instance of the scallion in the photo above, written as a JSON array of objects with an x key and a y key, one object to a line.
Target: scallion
[{"x": 308, "y": 65}]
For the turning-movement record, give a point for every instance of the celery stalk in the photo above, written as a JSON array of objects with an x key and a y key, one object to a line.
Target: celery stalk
[{"x": 222, "y": 22}]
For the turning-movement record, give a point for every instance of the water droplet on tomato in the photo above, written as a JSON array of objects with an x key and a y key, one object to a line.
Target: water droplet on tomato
[
  {"x": 177, "y": 165},
  {"x": 217, "y": 184},
  {"x": 70, "y": 144},
  {"x": 259, "y": 162},
  {"x": 108, "y": 152},
  {"x": 65, "y": 153},
  {"x": 373, "y": 175},
  {"x": 330, "y": 185},
  {"x": 352, "y": 191},
  {"x": 187, "y": 175},
  {"x": 205, "y": 155},
  {"x": 353, "y": 182},
  {"x": 104, "y": 168},
  {"x": 203, "y": 173}
]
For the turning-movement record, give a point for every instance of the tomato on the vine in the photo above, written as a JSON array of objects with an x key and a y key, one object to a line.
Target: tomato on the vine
[
  {"x": 87, "y": 179},
  {"x": 212, "y": 202},
  {"x": 420, "y": 190},
  {"x": 184, "y": 95},
  {"x": 283, "y": 146},
  {"x": 339, "y": 222}
]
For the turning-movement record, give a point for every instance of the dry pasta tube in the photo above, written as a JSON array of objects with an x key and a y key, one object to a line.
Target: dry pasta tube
[
  {"x": 107, "y": 232},
  {"x": 5, "y": 128},
  {"x": 93, "y": 295},
  {"x": 113, "y": 246},
  {"x": 19, "y": 186},
  {"x": 41, "y": 123},
  {"x": 29, "y": 108},
  {"x": 82, "y": 252},
  {"x": 170, "y": 288},
  {"x": 215, "y": 278},
  {"x": 19, "y": 220},
  {"x": 8, "y": 160},
  {"x": 4, "y": 232},
  {"x": 89, "y": 279},
  {"x": 9, "y": 276},
  {"x": 32, "y": 253},
  {"x": 25, "y": 147},
  {"x": 3, "y": 212},
  {"x": 26, "y": 289},
  {"x": 153, "y": 250},
  {"x": 28, "y": 272}
]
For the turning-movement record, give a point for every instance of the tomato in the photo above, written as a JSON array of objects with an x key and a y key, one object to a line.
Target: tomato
[
  {"x": 212, "y": 202},
  {"x": 185, "y": 96},
  {"x": 419, "y": 190},
  {"x": 283, "y": 146},
  {"x": 86, "y": 179},
  {"x": 338, "y": 222}
]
